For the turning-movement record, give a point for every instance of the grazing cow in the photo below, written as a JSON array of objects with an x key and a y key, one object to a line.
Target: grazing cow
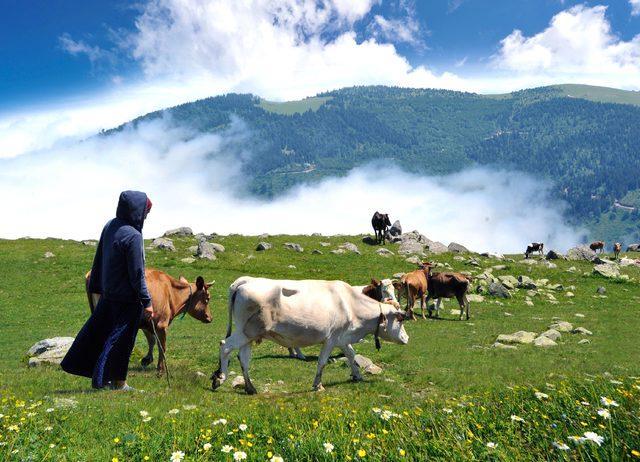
[
  {"x": 597, "y": 245},
  {"x": 534, "y": 247},
  {"x": 380, "y": 223},
  {"x": 300, "y": 314},
  {"x": 617, "y": 247},
  {"x": 414, "y": 285},
  {"x": 448, "y": 285},
  {"x": 170, "y": 297},
  {"x": 381, "y": 291}
]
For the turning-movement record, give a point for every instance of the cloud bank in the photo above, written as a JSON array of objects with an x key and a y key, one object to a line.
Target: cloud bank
[{"x": 196, "y": 180}]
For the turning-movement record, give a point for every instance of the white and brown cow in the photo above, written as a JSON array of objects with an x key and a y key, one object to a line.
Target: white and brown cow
[
  {"x": 300, "y": 314},
  {"x": 534, "y": 247}
]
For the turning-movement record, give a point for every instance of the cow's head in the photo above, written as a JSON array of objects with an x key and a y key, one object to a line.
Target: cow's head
[
  {"x": 391, "y": 326},
  {"x": 385, "y": 217},
  {"x": 199, "y": 301},
  {"x": 426, "y": 267},
  {"x": 374, "y": 290}
]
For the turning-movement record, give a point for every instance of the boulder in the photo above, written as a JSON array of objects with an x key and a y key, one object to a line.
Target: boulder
[
  {"x": 263, "y": 246},
  {"x": 582, "y": 331},
  {"x": 498, "y": 290},
  {"x": 408, "y": 247},
  {"x": 522, "y": 336},
  {"x": 180, "y": 232},
  {"x": 502, "y": 346},
  {"x": 163, "y": 243},
  {"x": 624, "y": 261},
  {"x": 526, "y": 282},
  {"x": 436, "y": 247},
  {"x": 293, "y": 246},
  {"x": 188, "y": 260},
  {"x": 263, "y": 236},
  {"x": 206, "y": 251},
  {"x": 349, "y": 247},
  {"x": 582, "y": 252},
  {"x": 217, "y": 247},
  {"x": 316, "y": 252},
  {"x": 508, "y": 281},
  {"x": 414, "y": 260},
  {"x": 561, "y": 326},
  {"x": 476, "y": 298},
  {"x": 49, "y": 351},
  {"x": 544, "y": 342},
  {"x": 552, "y": 334},
  {"x": 49, "y": 255},
  {"x": 554, "y": 255},
  {"x": 601, "y": 290},
  {"x": 193, "y": 249},
  {"x": 396, "y": 229},
  {"x": 633, "y": 248},
  {"x": 606, "y": 270},
  {"x": 384, "y": 252},
  {"x": 325, "y": 244},
  {"x": 457, "y": 248},
  {"x": 584, "y": 341}
]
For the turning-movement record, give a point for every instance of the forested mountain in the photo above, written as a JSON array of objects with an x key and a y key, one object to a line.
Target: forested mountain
[{"x": 583, "y": 139}]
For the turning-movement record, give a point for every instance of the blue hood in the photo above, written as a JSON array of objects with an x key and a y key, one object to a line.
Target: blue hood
[{"x": 132, "y": 206}]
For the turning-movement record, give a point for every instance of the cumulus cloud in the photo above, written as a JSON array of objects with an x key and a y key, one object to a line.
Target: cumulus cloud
[
  {"x": 577, "y": 46},
  {"x": 73, "y": 47},
  {"x": 635, "y": 7},
  {"x": 196, "y": 180}
]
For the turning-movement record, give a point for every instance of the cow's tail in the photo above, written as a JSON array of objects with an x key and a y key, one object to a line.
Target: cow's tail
[{"x": 233, "y": 291}]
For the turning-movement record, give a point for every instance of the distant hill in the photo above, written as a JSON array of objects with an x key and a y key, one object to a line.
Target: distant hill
[{"x": 584, "y": 139}]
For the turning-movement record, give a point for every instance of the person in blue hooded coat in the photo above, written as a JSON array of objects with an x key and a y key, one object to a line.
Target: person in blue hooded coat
[{"x": 102, "y": 348}]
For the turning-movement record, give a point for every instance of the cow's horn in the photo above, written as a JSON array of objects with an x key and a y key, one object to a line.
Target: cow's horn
[{"x": 211, "y": 283}]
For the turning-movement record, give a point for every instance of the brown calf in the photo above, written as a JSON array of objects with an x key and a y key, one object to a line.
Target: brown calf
[
  {"x": 448, "y": 285},
  {"x": 597, "y": 245},
  {"x": 617, "y": 247},
  {"x": 414, "y": 285},
  {"x": 170, "y": 297}
]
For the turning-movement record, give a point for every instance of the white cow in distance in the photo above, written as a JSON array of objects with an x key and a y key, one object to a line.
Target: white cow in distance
[{"x": 298, "y": 314}]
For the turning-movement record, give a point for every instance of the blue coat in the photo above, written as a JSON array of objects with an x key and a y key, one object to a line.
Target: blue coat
[{"x": 103, "y": 346}]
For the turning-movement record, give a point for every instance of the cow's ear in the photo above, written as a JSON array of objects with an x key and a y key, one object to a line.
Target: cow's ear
[
  {"x": 200, "y": 283},
  {"x": 399, "y": 316},
  {"x": 183, "y": 279},
  {"x": 397, "y": 285},
  {"x": 375, "y": 282}
]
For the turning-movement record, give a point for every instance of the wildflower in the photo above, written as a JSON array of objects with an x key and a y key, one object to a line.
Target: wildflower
[
  {"x": 447, "y": 410},
  {"x": 402, "y": 452},
  {"x": 377, "y": 410},
  {"x": 227, "y": 449},
  {"x": 541, "y": 395},
  {"x": 577, "y": 439},
  {"x": 276, "y": 459},
  {"x": 189, "y": 407},
  {"x": 174, "y": 411},
  {"x": 206, "y": 446},
  {"x": 146, "y": 458},
  {"x": 48, "y": 429},
  {"x": 177, "y": 456},
  {"x": 593, "y": 436},
  {"x": 362, "y": 453},
  {"x": 144, "y": 414},
  {"x": 604, "y": 413},
  {"x": 13, "y": 428},
  {"x": 116, "y": 440},
  {"x": 560, "y": 446},
  {"x": 114, "y": 459},
  {"x": 515, "y": 418},
  {"x": 328, "y": 447},
  {"x": 585, "y": 403},
  {"x": 491, "y": 445},
  {"x": 242, "y": 427},
  {"x": 239, "y": 455},
  {"x": 635, "y": 453},
  {"x": 220, "y": 422},
  {"x": 52, "y": 446},
  {"x": 615, "y": 382},
  {"x": 146, "y": 419},
  {"x": 608, "y": 402}
]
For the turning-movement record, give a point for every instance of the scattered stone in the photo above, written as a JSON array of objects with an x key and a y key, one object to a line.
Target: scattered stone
[
  {"x": 581, "y": 252},
  {"x": 179, "y": 232},
  {"x": 193, "y": 249},
  {"x": 263, "y": 236},
  {"x": 521, "y": 336},
  {"x": 293, "y": 246},
  {"x": 238, "y": 382},
  {"x": 49, "y": 255},
  {"x": 325, "y": 244},
  {"x": 624, "y": 261},
  {"x": 569, "y": 294},
  {"x": 316, "y": 252},
  {"x": 291, "y": 266},
  {"x": 49, "y": 351},
  {"x": 163, "y": 243},
  {"x": 384, "y": 252},
  {"x": 502, "y": 346},
  {"x": 633, "y": 248},
  {"x": 368, "y": 365},
  {"x": 217, "y": 247},
  {"x": 499, "y": 267},
  {"x": 553, "y": 334},
  {"x": 206, "y": 251},
  {"x": 529, "y": 261},
  {"x": 498, "y": 290},
  {"x": 579, "y": 315},
  {"x": 526, "y": 282},
  {"x": 561, "y": 326},
  {"x": 457, "y": 248},
  {"x": 549, "y": 265},
  {"x": 398, "y": 275},
  {"x": 601, "y": 290},
  {"x": 201, "y": 374},
  {"x": 349, "y": 247},
  {"x": 582, "y": 331},
  {"x": 90, "y": 242},
  {"x": 263, "y": 246},
  {"x": 188, "y": 260},
  {"x": 475, "y": 298},
  {"x": 544, "y": 342},
  {"x": 584, "y": 341},
  {"x": 338, "y": 251},
  {"x": 606, "y": 270},
  {"x": 528, "y": 302},
  {"x": 557, "y": 287},
  {"x": 508, "y": 281},
  {"x": 396, "y": 229},
  {"x": 554, "y": 255},
  {"x": 414, "y": 260}
]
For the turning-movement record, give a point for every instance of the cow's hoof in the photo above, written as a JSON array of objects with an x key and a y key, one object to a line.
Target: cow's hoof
[
  {"x": 356, "y": 378},
  {"x": 250, "y": 389},
  {"x": 215, "y": 382},
  {"x": 144, "y": 362},
  {"x": 318, "y": 387}
]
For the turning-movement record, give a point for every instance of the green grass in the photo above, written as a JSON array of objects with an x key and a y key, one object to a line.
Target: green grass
[
  {"x": 447, "y": 365},
  {"x": 600, "y": 94},
  {"x": 294, "y": 107}
]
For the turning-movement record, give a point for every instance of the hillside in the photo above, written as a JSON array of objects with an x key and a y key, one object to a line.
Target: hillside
[{"x": 579, "y": 137}]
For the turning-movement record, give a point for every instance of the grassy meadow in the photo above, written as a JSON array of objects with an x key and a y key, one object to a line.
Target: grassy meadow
[{"x": 446, "y": 396}]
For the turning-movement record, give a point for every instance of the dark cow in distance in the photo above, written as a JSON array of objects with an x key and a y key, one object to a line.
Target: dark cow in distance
[
  {"x": 380, "y": 223},
  {"x": 534, "y": 247},
  {"x": 617, "y": 247},
  {"x": 597, "y": 245}
]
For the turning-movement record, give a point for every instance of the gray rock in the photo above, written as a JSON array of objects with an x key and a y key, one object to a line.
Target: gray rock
[
  {"x": 398, "y": 275},
  {"x": 582, "y": 252},
  {"x": 498, "y": 290},
  {"x": 180, "y": 232},
  {"x": 263, "y": 246},
  {"x": 338, "y": 251},
  {"x": 217, "y": 247},
  {"x": 49, "y": 255},
  {"x": 90, "y": 242},
  {"x": 193, "y": 249},
  {"x": 606, "y": 270},
  {"x": 238, "y": 382},
  {"x": 411, "y": 247},
  {"x": 633, "y": 248},
  {"x": 206, "y": 251},
  {"x": 582, "y": 331},
  {"x": 316, "y": 252},
  {"x": 163, "y": 243},
  {"x": 554, "y": 255},
  {"x": 544, "y": 342},
  {"x": 384, "y": 252},
  {"x": 475, "y": 298},
  {"x": 457, "y": 248},
  {"x": 436, "y": 247},
  {"x": 49, "y": 351},
  {"x": 349, "y": 247},
  {"x": 263, "y": 236},
  {"x": 526, "y": 282},
  {"x": 521, "y": 336},
  {"x": 508, "y": 281},
  {"x": 624, "y": 261},
  {"x": 325, "y": 244},
  {"x": 293, "y": 246},
  {"x": 601, "y": 290},
  {"x": 502, "y": 346},
  {"x": 414, "y": 260},
  {"x": 552, "y": 334},
  {"x": 396, "y": 229},
  {"x": 584, "y": 341},
  {"x": 561, "y": 326},
  {"x": 188, "y": 260}
]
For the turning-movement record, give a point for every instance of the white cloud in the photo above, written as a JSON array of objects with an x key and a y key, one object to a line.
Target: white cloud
[
  {"x": 577, "y": 46},
  {"x": 635, "y": 7},
  {"x": 397, "y": 30},
  {"x": 73, "y": 47},
  {"x": 194, "y": 180}
]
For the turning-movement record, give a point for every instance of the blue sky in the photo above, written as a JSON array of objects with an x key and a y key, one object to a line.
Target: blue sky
[{"x": 36, "y": 66}]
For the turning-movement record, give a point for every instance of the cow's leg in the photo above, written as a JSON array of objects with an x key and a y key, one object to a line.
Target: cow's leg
[
  {"x": 323, "y": 357},
  {"x": 244, "y": 355},
  {"x": 162, "y": 349},
  {"x": 423, "y": 302},
  {"x": 297, "y": 353},
  {"x": 467, "y": 304},
  {"x": 438, "y": 302},
  {"x": 151, "y": 342},
  {"x": 462, "y": 302},
  {"x": 233, "y": 342},
  {"x": 350, "y": 353}
]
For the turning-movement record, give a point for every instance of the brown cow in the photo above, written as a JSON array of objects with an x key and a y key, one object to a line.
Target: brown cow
[
  {"x": 170, "y": 297},
  {"x": 414, "y": 285},
  {"x": 617, "y": 247},
  {"x": 448, "y": 285},
  {"x": 597, "y": 245}
]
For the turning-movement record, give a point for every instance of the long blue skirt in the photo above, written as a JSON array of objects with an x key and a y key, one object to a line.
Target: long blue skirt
[{"x": 102, "y": 348}]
